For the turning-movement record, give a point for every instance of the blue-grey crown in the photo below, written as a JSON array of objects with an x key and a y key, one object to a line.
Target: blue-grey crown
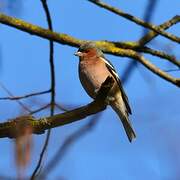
[{"x": 90, "y": 45}]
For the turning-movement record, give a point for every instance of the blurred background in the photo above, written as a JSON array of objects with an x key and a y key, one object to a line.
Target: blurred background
[{"x": 99, "y": 150}]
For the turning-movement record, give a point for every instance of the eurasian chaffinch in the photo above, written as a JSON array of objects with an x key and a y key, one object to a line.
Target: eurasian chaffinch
[{"x": 93, "y": 71}]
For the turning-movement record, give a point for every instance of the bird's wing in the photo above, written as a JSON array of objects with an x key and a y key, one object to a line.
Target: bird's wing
[{"x": 115, "y": 75}]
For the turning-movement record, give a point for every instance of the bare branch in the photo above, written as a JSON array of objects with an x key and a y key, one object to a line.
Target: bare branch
[
  {"x": 112, "y": 49},
  {"x": 160, "y": 54},
  {"x": 38, "y": 31},
  {"x": 25, "y": 96},
  {"x": 51, "y": 55},
  {"x": 9, "y": 129},
  {"x": 157, "y": 71},
  {"x": 52, "y": 74},
  {"x": 107, "y": 47},
  {"x": 40, "y": 109},
  {"x": 63, "y": 149},
  {"x": 152, "y": 34},
  {"x": 69, "y": 40},
  {"x": 18, "y": 101},
  {"x": 137, "y": 20},
  {"x": 172, "y": 70},
  {"x": 66, "y": 39},
  {"x": 145, "y": 49}
]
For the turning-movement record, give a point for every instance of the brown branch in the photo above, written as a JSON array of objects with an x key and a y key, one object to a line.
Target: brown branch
[
  {"x": 156, "y": 70},
  {"x": 112, "y": 49},
  {"x": 10, "y": 128},
  {"x": 69, "y": 40},
  {"x": 152, "y": 34},
  {"x": 160, "y": 54},
  {"x": 136, "y": 47},
  {"x": 136, "y": 20},
  {"x": 107, "y": 47},
  {"x": 38, "y": 31},
  {"x": 25, "y": 96}
]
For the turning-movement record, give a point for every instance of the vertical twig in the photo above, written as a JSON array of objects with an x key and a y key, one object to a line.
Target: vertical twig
[
  {"x": 68, "y": 142},
  {"x": 52, "y": 73}
]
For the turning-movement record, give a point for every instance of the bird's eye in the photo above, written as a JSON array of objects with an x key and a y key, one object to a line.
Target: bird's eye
[{"x": 86, "y": 51}]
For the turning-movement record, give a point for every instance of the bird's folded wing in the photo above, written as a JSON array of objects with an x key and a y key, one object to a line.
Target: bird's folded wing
[{"x": 115, "y": 75}]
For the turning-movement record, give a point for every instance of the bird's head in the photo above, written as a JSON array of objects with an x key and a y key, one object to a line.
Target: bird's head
[{"x": 88, "y": 50}]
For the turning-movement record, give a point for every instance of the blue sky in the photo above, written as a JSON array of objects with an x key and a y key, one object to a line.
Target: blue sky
[{"x": 103, "y": 153}]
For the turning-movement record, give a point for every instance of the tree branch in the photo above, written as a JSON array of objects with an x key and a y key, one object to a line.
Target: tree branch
[
  {"x": 108, "y": 47},
  {"x": 38, "y": 31},
  {"x": 40, "y": 109},
  {"x": 160, "y": 54},
  {"x": 53, "y": 93},
  {"x": 136, "y": 20},
  {"x": 152, "y": 34},
  {"x": 157, "y": 71},
  {"x": 25, "y": 96},
  {"x": 144, "y": 49},
  {"x": 10, "y": 129},
  {"x": 69, "y": 141},
  {"x": 67, "y": 39},
  {"x": 18, "y": 101},
  {"x": 112, "y": 49}
]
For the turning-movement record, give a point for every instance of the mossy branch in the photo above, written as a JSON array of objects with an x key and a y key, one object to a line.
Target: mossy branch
[
  {"x": 114, "y": 48},
  {"x": 12, "y": 127},
  {"x": 136, "y": 20},
  {"x": 69, "y": 40}
]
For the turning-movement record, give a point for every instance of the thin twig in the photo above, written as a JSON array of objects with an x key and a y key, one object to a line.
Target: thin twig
[
  {"x": 25, "y": 96},
  {"x": 63, "y": 149},
  {"x": 60, "y": 107},
  {"x": 12, "y": 96},
  {"x": 5, "y": 177},
  {"x": 136, "y": 20},
  {"x": 171, "y": 70},
  {"x": 40, "y": 109},
  {"x": 52, "y": 74}
]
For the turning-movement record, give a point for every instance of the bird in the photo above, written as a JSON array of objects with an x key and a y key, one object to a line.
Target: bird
[{"x": 93, "y": 69}]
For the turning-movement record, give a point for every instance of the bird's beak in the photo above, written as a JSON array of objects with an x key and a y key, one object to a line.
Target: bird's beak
[{"x": 78, "y": 53}]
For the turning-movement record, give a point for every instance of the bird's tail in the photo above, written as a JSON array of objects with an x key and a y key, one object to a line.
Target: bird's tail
[{"x": 125, "y": 121}]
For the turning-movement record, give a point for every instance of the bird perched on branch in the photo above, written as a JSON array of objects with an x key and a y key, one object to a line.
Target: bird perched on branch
[{"x": 93, "y": 71}]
